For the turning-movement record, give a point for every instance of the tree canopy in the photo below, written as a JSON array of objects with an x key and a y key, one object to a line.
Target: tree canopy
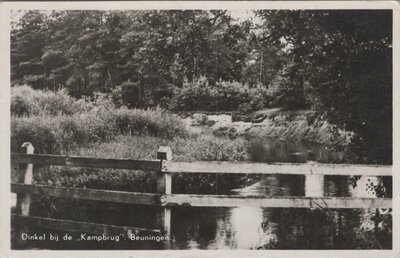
[
  {"x": 342, "y": 63},
  {"x": 337, "y": 62}
]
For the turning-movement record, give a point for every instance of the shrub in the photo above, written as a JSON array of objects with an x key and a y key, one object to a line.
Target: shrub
[
  {"x": 197, "y": 95},
  {"x": 148, "y": 122},
  {"x": 84, "y": 129},
  {"x": 56, "y": 123},
  {"x": 60, "y": 103},
  {"x": 62, "y": 133},
  {"x": 41, "y": 132},
  {"x": 59, "y": 134},
  {"x": 223, "y": 96},
  {"x": 26, "y": 101}
]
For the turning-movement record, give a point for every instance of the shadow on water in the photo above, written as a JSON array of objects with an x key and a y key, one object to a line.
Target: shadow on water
[
  {"x": 275, "y": 150},
  {"x": 279, "y": 228},
  {"x": 247, "y": 227}
]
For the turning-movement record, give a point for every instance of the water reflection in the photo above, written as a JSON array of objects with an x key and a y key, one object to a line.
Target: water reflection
[
  {"x": 275, "y": 150},
  {"x": 273, "y": 228},
  {"x": 244, "y": 227},
  {"x": 256, "y": 228}
]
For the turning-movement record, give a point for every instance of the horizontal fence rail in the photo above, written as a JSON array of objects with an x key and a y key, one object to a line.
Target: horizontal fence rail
[
  {"x": 164, "y": 199},
  {"x": 277, "y": 168},
  {"x": 195, "y": 200},
  {"x": 274, "y": 202},
  {"x": 79, "y": 226},
  {"x": 57, "y": 160},
  {"x": 205, "y": 166}
]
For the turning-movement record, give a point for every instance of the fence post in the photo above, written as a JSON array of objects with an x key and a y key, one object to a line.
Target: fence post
[
  {"x": 314, "y": 184},
  {"x": 25, "y": 175},
  {"x": 164, "y": 186}
]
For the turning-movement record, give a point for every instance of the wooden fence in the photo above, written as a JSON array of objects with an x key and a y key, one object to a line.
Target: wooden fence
[{"x": 163, "y": 197}]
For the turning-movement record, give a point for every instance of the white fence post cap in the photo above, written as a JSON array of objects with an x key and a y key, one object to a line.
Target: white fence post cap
[{"x": 164, "y": 152}]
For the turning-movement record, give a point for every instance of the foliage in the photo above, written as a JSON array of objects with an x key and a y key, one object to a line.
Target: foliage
[
  {"x": 222, "y": 96},
  {"x": 289, "y": 93},
  {"x": 26, "y": 101},
  {"x": 347, "y": 232},
  {"x": 342, "y": 59},
  {"x": 89, "y": 51},
  {"x": 338, "y": 62},
  {"x": 56, "y": 123},
  {"x": 131, "y": 95},
  {"x": 195, "y": 147},
  {"x": 147, "y": 122}
]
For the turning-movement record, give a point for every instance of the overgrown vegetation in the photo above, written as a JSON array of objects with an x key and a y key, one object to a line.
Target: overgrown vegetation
[
  {"x": 97, "y": 128},
  {"x": 226, "y": 96},
  {"x": 100, "y": 82},
  {"x": 336, "y": 62},
  {"x": 57, "y": 123}
]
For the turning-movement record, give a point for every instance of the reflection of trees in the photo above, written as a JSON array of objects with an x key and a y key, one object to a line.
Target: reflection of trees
[
  {"x": 313, "y": 229},
  {"x": 328, "y": 229},
  {"x": 194, "y": 225}
]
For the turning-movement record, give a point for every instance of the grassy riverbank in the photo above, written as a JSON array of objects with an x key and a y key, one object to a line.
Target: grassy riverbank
[{"x": 56, "y": 123}]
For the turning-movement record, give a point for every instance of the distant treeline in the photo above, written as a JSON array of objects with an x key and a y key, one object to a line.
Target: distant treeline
[
  {"x": 337, "y": 62},
  {"x": 152, "y": 51}
]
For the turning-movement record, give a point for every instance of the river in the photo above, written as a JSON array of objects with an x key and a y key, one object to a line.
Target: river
[
  {"x": 244, "y": 227},
  {"x": 277, "y": 228}
]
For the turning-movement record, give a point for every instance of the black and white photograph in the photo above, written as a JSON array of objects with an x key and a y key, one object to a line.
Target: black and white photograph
[{"x": 201, "y": 128}]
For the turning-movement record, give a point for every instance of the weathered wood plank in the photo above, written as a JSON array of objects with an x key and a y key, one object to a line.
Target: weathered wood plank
[
  {"x": 88, "y": 194},
  {"x": 277, "y": 168},
  {"x": 45, "y": 159},
  {"x": 314, "y": 186},
  {"x": 274, "y": 202},
  {"x": 78, "y": 226},
  {"x": 164, "y": 186},
  {"x": 25, "y": 175}
]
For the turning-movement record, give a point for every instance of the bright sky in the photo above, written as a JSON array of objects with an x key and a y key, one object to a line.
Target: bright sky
[{"x": 242, "y": 15}]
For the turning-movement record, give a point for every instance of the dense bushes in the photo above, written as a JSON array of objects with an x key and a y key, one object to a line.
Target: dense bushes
[
  {"x": 100, "y": 129},
  {"x": 289, "y": 96},
  {"x": 147, "y": 122},
  {"x": 223, "y": 96},
  {"x": 57, "y": 123},
  {"x": 193, "y": 96},
  {"x": 26, "y": 101}
]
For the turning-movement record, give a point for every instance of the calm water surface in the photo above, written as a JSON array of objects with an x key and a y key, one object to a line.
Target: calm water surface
[
  {"x": 269, "y": 228},
  {"x": 252, "y": 227}
]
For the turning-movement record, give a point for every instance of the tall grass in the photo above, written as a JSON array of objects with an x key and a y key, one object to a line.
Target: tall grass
[
  {"x": 196, "y": 147},
  {"x": 57, "y": 123},
  {"x": 26, "y": 101},
  {"x": 200, "y": 147}
]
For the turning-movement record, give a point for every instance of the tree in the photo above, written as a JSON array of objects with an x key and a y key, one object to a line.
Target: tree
[
  {"x": 345, "y": 56},
  {"x": 27, "y": 44}
]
